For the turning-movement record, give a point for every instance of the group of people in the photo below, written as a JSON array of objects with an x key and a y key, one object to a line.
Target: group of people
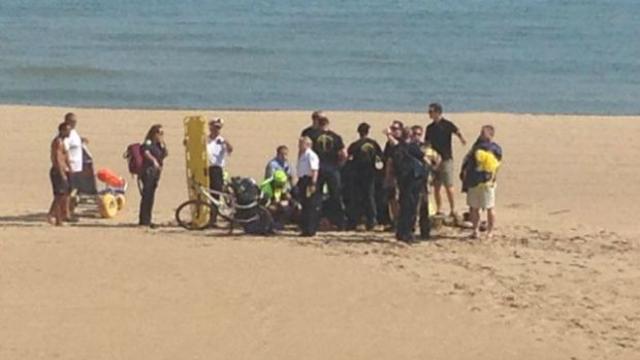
[{"x": 357, "y": 185}]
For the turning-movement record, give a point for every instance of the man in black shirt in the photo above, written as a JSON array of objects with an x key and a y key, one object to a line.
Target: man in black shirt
[
  {"x": 332, "y": 153},
  {"x": 312, "y": 131},
  {"x": 438, "y": 134},
  {"x": 364, "y": 154}
]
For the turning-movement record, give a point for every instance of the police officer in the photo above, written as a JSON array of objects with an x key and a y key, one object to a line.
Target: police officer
[
  {"x": 411, "y": 174},
  {"x": 364, "y": 154},
  {"x": 332, "y": 154},
  {"x": 154, "y": 151}
]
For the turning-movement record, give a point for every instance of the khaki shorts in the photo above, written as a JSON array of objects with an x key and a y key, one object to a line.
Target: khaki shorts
[
  {"x": 482, "y": 196},
  {"x": 444, "y": 174}
]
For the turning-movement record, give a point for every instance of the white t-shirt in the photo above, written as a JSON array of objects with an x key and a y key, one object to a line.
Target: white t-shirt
[
  {"x": 307, "y": 162},
  {"x": 73, "y": 145},
  {"x": 216, "y": 151}
]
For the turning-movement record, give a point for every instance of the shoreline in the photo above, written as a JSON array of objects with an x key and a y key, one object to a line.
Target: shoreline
[{"x": 284, "y": 110}]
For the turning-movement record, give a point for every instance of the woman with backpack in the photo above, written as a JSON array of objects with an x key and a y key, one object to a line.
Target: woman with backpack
[{"x": 154, "y": 151}]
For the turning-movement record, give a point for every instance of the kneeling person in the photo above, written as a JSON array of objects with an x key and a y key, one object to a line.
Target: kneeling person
[{"x": 274, "y": 195}]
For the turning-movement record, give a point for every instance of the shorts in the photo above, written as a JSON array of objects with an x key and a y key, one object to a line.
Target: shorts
[
  {"x": 75, "y": 180},
  {"x": 443, "y": 175},
  {"x": 59, "y": 182},
  {"x": 482, "y": 196}
]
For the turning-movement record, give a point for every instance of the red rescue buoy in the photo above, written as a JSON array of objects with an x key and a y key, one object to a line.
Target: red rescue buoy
[{"x": 110, "y": 178}]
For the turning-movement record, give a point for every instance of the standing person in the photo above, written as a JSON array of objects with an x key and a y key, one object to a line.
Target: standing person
[
  {"x": 417, "y": 134},
  {"x": 389, "y": 205},
  {"x": 311, "y": 130},
  {"x": 74, "y": 145},
  {"x": 479, "y": 173},
  {"x": 364, "y": 154},
  {"x": 438, "y": 135},
  {"x": 279, "y": 162},
  {"x": 154, "y": 152},
  {"x": 59, "y": 176},
  {"x": 330, "y": 149},
  {"x": 310, "y": 198},
  {"x": 217, "y": 150},
  {"x": 411, "y": 174}
]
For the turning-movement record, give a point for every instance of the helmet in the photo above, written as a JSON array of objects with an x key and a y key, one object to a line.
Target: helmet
[{"x": 280, "y": 178}]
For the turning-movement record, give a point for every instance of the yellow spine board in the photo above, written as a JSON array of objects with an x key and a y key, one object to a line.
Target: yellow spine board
[{"x": 197, "y": 164}]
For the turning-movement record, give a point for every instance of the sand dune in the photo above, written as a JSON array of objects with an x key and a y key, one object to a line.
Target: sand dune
[{"x": 560, "y": 280}]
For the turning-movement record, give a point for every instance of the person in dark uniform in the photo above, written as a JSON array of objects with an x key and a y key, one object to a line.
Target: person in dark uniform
[
  {"x": 388, "y": 205},
  {"x": 154, "y": 152},
  {"x": 364, "y": 154},
  {"x": 330, "y": 149},
  {"x": 312, "y": 130},
  {"x": 411, "y": 174},
  {"x": 307, "y": 172}
]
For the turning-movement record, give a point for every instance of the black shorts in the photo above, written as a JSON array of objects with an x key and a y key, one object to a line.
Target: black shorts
[
  {"x": 75, "y": 180},
  {"x": 59, "y": 182}
]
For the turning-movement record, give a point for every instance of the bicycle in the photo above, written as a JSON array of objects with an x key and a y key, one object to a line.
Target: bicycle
[{"x": 221, "y": 204}]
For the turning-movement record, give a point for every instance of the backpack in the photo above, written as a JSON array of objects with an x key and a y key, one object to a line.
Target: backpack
[{"x": 134, "y": 158}]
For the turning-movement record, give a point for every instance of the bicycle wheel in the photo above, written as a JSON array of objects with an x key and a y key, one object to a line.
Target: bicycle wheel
[{"x": 189, "y": 211}]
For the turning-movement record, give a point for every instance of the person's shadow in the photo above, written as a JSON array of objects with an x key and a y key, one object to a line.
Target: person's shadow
[{"x": 24, "y": 220}]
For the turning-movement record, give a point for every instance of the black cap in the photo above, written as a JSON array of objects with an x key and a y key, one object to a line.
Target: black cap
[{"x": 363, "y": 128}]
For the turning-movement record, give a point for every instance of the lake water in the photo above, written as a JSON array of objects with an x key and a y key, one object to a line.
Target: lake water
[{"x": 567, "y": 56}]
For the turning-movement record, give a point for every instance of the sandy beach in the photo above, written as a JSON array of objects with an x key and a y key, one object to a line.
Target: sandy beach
[{"x": 560, "y": 280}]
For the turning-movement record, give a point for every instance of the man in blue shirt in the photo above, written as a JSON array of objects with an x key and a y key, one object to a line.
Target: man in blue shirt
[{"x": 280, "y": 162}]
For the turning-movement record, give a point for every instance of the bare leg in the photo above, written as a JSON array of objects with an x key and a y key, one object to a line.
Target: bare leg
[
  {"x": 452, "y": 205},
  {"x": 53, "y": 209},
  {"x": 66, "y": 207},
  {"x": 59, "y": 209},
  {"x": 474, "y": 215},
  {"x": 491, "y": 220},
  {"x": 437, "y": 196},
  {"x": 395, "y": 209}
]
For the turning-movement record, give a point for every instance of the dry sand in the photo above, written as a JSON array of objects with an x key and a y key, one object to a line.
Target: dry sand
[{"x": 561, "y": 279}]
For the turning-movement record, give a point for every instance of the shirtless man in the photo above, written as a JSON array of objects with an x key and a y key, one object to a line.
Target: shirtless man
[{"x": 59, "y": 175}]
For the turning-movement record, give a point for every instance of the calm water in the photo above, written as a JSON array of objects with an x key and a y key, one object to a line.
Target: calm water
[{"x": 570, "y": 56}]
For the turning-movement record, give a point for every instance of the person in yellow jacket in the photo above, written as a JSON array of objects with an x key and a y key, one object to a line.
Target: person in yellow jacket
[{"x": 479, "y": 175}]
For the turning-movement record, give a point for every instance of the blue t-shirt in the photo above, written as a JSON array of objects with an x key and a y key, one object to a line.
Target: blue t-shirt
[{"x": 276, "y": 164}]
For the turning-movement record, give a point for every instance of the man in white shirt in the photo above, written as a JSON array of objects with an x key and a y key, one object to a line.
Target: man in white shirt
[
  {"x": 307, "y": 172},
  {"x": 73, "y": 144},
  {"x": 217, "y": 151}
]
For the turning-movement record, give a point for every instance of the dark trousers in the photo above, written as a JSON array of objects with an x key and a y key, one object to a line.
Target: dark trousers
[
  {"x": 310, "y": 217},
  {"x": 409, "y": 197},
  {"x": 382, "y": 201},
  {"x": 149, "y": 181},
  {"x": 423, "y": 210},
  {"x": 363, "y": 200},
  {"x": 335, "y": 207},
  {"x": 216, "y": 182}
]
